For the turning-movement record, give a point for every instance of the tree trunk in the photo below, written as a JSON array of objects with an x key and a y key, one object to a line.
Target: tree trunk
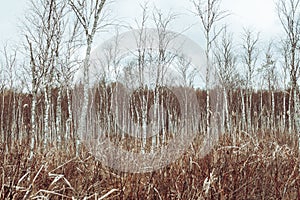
[
  {"x": 84, "y": 111},
  {"x": 290, "y": 112},
  {"x": 243, "y": 111},
  {"x": 33, "y": 124},
  {"x": 273, "y": 118},
  {"x": 227, "y": 121},
  {"x": 46, "y": 117},
  {"x": 58, "y": 119},
  {"x": 284, "y": 111}
]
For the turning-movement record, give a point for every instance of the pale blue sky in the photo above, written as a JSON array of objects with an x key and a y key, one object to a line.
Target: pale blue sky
[
  {"x": 257, "y": 14},
  {"x": 11, "y": 11}
]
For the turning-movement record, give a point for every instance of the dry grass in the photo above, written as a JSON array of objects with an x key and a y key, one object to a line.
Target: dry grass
[{"x": 262, "y": 167}]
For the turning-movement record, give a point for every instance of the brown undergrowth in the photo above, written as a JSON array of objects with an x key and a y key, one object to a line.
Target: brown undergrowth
[{"x": 261, "y": 167}]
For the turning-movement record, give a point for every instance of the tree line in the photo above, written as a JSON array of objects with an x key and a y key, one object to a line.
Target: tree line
[{"x": 37, "y": 93}]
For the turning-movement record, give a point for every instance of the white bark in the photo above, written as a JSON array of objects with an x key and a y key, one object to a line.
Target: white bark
[
  {"x": 273, "y": 118},
  {"x": 89, "y": 18},
  {"x": 227, "y": 121},
  {"x": 33, "y": 124},
  {"x": 290, "y": 113},
  {"x": 288, "y": 13},
  {"x": 209, "y": 13},
  {"x": 284, "y": 111},
  {"x": 69, "y": 122},
  {"x": 2, "y": 121},
  {"x": 58, "y": 119},
  {"x": 243, "y": 123},
  {"x": 46, "y": 118},
  {"x": 249, "y": 110},
  {"x": 250, "y": 56}
]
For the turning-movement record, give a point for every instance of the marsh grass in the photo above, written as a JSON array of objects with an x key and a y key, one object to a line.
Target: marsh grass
[{"x": 260, "y": 167}]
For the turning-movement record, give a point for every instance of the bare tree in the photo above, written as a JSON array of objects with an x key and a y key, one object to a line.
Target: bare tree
[
  {"x": 108, "y": 75},
  {"x": 249, "y": 59},
  {"x": 225, "y": 59},
  {"x": 210, "y": 14},
  {"x": 43, "y": 32},
  {"x": 186, "y": 70},
  {"x": 66, "y": 66},
  {"x": 162, "y": 62},
  {"x": 269, "y": 74},
  {"x": 285, "y": 54},
  {"x": 10, "y": 70},
  {"x": 289, "y": 15},
  {"x": 140, "y": 62},
  {"x": 10, "y": 104},
  {"x": 90, "y": 14},
  {"x": 2, "y": 89}
]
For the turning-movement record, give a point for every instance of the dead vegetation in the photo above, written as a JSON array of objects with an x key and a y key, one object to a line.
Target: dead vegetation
[
  {"x": 263, "y": 164},
  {"x": 262, "y": 167}
]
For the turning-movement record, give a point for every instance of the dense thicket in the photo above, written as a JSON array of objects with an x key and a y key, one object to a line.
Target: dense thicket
[{"x": 16, "y": 107}]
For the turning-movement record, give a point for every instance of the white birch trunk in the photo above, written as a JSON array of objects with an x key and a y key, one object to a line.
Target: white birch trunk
[
  {"x": 58, "y": 118},
  {"x": 84, "y": 110},
  {"x": 155, "y": 120},
  {"x": 46, "y": 119},
  {"x": 227, "y": 121},
  {"x": 273, "y": 111},
  {"x": 284, "y": 112},
  {"x": 20, "y": 120},
  {"x": 207, "y": 109},
  {"x": 261, "y": 110},
  {"x": 2, "y": 120},
  {"x": 163, "y": 137},
  {"x": 33, "y": 125},
  {"x": 297, "y": 115},
  {"x": 290, "y": 113},
  {"x": 14, "y": 120},
  {"x": 243, "y": 111},
  {"x": 70, "y": 116},
  {"x": 249, "y": 108},
  {"x": 144, "y": 124}
]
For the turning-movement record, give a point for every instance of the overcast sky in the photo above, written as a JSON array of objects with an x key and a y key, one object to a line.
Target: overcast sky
[{"x": 260, "y": 15}]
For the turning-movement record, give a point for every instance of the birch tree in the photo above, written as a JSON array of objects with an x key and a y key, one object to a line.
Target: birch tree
[
  {"x": 107, "y": 76},
  {"x": 285, "y": 65},
  {"x": 43, "y": 32},
  {"x": 141, "y": 62},
  {"x": 210, "y": 14},
  {"x": 91, "y": 15},
  {"x": 269, "y": 74},
  {"x": 2, "y": 89},
  {"x": 289, "y": 16},
  {"x": 249, "y": 59},
  {"x": 66, "y": 67},
  {"x": 225, "y": 59},
  {"x": 10, "y": 70},
  {"x": 162, "y": 62}
]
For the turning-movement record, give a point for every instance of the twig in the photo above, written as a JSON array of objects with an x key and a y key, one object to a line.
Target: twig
[
  {"x": 289, "y": 179},
  {"x": 23, "y": 177},
  {"x": 52, "y": 192},
  {"x": 62, "y": 165},
  {"x": 17, "y": 188},
  {"x": 31, "y": 185},
  {"x": 107, "y": 194},
  {"x": 157, "y": 193}
]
